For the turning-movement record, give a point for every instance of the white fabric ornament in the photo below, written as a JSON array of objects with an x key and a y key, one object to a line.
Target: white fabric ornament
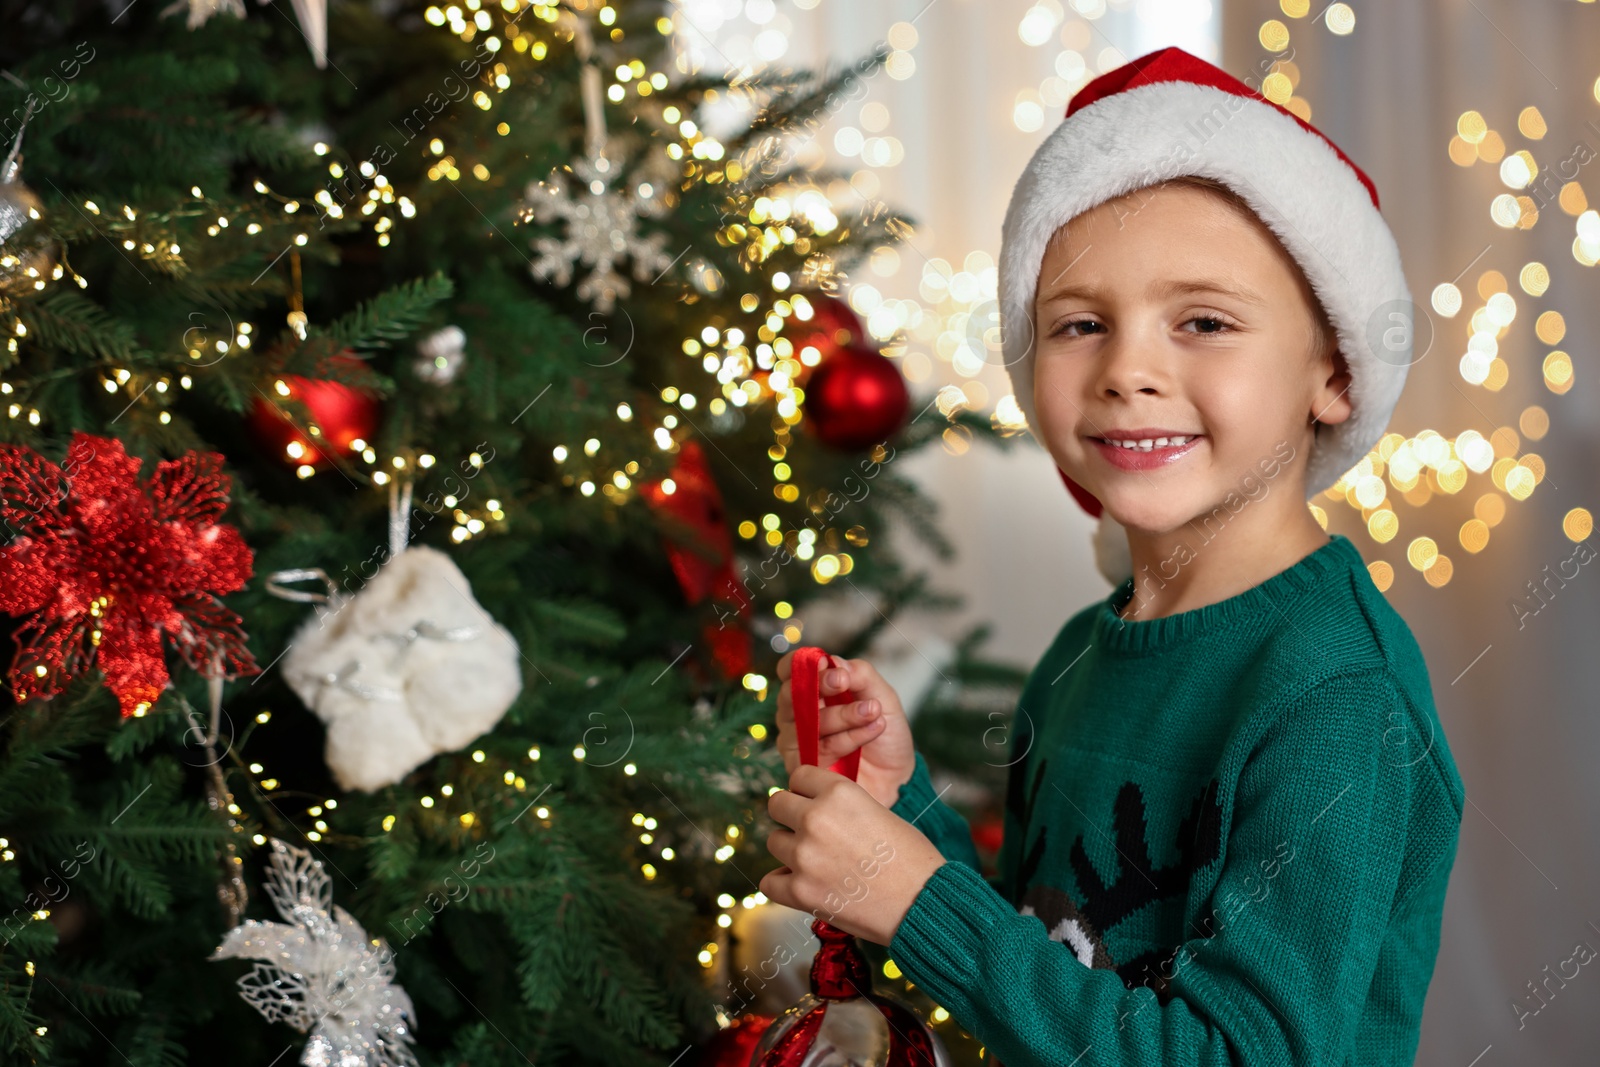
[
  {"x": 1112, "y": 553},
  {"x": 601, "y": 228},
  {"x": 406, "y": 668},
  {"x": 321, "y": 973},
  {"x": 440, "y": 355}
]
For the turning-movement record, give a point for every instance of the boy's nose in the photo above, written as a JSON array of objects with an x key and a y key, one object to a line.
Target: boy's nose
[{"x": 1130, "y": 364}]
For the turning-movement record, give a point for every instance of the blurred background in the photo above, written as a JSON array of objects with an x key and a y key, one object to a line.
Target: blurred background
[{"x": 1479, "y": 123}]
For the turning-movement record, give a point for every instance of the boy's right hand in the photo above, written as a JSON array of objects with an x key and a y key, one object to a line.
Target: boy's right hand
[{"x": 874, "y": 722}]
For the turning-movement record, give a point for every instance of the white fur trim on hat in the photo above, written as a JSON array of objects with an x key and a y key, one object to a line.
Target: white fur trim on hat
[{"x": 1291, "y": 177}]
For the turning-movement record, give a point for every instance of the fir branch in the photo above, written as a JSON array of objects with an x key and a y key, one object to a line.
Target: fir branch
[
  {"x": 74, "y": 325},
  {"x": 580, "y": 620},
  {"x": 95, "y": 988},
  {"x": 392, "y": 315},
  {"x": 18, "y": 1022}
]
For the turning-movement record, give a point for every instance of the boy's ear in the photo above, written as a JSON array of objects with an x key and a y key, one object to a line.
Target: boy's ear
[{"x": 1332, "y": 404}]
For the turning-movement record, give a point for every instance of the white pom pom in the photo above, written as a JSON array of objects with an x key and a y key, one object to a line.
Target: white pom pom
[
  {"x": 1112, "y": 555},
  {"x": 408, "y": 667}
]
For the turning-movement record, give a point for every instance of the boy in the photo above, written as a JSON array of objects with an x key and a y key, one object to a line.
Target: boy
[{"x": 1231, "y": 812}]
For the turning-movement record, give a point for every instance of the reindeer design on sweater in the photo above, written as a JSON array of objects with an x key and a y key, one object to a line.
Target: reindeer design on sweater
[{"x": 1081, "y": 926}]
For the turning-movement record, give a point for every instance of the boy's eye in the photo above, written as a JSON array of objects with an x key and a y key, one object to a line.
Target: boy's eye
[
  {"x": 1204, "y": 324},
  {"x": 1061, "y": 330}
]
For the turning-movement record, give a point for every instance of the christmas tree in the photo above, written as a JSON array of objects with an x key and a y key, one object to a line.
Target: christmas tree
[{"x": 423, "y": 428}]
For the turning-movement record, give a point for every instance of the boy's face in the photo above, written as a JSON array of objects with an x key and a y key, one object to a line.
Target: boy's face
[{"x": 1167, "y": 310}]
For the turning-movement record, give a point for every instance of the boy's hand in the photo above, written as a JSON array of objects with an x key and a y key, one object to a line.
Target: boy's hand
[
  {"x": 874, "y": 722},
  {"x": 848, "y": 860}
]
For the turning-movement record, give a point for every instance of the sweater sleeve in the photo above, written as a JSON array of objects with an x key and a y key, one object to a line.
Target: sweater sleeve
[
  {"x": 1291, "y": 934},
  {"x": 920, "y": 806}
]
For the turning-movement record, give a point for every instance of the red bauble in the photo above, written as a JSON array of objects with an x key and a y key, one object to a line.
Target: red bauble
[
  {"x": 855, "y": 399},
  {"x": 988, "y": 833},
  {"x": 343, "y": 414},
  {"x": 732, "y": 1045},
  {"x": 832, "y": 326}
]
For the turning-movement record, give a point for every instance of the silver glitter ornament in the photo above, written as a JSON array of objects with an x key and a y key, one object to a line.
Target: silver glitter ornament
[
  {"x": 600, "y": 229},
  {"x": 27, "y": 257},
  {"x": 321, "y": 973},
  {"x": 440, "y": 355}
]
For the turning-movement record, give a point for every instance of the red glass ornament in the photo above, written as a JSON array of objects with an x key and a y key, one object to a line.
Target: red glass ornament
[
  {"x": 855, "y": 399},
  {"x": 988, "y": 834},
  {"x": 106, "y": 567},
  {"x": 831, "y": 327},
  {"x": 732, "y": 1045},
  {"x": 343, "y": 414},
  {"x": 841, "y": 1022}
]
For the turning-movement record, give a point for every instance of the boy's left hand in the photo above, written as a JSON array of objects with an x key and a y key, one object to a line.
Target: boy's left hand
[{"x": 848, "y": 860}]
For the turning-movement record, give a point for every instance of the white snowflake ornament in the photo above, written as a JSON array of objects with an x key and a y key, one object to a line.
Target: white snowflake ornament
[
  {"x": 600, "y": 229},
  {"x": 321, "y": 973}
]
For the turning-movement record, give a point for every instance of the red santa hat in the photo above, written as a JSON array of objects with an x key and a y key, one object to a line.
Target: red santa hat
[{"x": 1169, "y": 115}]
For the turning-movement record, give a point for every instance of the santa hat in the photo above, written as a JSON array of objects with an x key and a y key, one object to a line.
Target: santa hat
[{"x": 1169, "y": 115}]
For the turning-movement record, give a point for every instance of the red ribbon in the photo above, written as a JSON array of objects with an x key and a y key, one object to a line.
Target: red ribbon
[
  {"x": 805, "y": 689},
  {"x": 839, "y": 970}
]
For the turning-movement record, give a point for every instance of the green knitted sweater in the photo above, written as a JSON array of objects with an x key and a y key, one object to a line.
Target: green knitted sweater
[{"x": 1227, "y": 837}]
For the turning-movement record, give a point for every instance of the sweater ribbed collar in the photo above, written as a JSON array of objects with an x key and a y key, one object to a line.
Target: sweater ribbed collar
[{"x": 1262, "y": 602}]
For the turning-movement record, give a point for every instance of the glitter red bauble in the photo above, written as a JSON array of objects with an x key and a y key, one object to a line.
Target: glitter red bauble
[
  {"x": 842, "y": 1022},
  {"x": 343, "y": 414},
  {"x": 105, "y": 567},
  {"x": 855, "y": 399}
]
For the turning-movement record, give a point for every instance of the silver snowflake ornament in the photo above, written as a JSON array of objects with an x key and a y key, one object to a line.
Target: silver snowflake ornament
[
  {"x": 321, "y": 973},
  {"x": 440, "y": 355},
  {"x": 600, "y": 228}
]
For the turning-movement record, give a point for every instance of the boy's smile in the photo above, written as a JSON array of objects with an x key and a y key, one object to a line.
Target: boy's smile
[{"x": 1179, "y": 348}]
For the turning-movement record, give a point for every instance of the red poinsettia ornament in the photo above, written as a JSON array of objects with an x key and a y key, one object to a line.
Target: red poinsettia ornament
[{"x": 105, "y": 567}]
